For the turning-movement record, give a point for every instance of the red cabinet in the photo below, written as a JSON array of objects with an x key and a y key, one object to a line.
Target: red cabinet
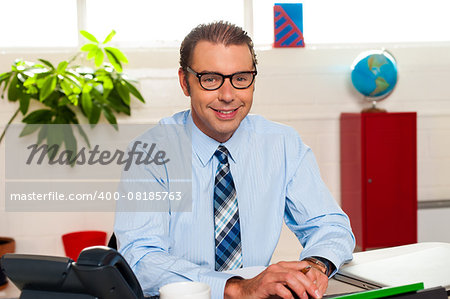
[{"x": 379, "y": 177}]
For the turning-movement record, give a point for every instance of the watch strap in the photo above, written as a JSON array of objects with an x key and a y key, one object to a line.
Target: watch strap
[{"x": 321, "y": 263}]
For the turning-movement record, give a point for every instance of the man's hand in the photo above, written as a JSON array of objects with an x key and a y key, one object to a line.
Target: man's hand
[{"x": 283, "y": 279}]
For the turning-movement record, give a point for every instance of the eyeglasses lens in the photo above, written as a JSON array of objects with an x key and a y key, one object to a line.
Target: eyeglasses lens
[{"x": 211, "y": 81}]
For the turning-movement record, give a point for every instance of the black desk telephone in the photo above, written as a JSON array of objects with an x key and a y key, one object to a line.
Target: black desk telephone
[{"x": 100, "y": 272}]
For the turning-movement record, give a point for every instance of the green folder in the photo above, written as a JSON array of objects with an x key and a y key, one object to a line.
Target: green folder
[{"x": 383, "y": 292}]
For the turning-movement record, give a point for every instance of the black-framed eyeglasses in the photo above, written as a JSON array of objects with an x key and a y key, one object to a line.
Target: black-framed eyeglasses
[{"x": 213, "y": 81}]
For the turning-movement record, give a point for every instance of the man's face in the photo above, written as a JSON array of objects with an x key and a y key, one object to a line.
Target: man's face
[{"x": 218, "y": 113}]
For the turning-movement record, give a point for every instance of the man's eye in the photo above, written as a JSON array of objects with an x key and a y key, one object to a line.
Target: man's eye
[
  {"x": 242, "y": 77},
  {"x": 210, "y": 79}
]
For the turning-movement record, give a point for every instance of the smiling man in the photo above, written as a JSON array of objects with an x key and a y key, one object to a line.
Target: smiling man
[
  {"x": 248, "y": 175},
  {"x": 218, "y": 107}
]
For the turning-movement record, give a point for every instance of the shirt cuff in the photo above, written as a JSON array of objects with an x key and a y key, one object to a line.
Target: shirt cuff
[
  {"x": 328, "y": 254},
  {"x": 217, "y": 282},
  {"x": 328, "y": 264}
]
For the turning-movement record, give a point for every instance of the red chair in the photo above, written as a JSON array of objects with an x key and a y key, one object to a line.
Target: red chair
[{"x": 76, "y": 241}]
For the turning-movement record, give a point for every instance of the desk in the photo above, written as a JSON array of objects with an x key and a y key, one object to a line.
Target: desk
[
  {"x": 338, "y": 287},
  {"x": 374, "y": 255},
  {"x": 421, "y": 262},
  {"x": 334, "y": 286}
]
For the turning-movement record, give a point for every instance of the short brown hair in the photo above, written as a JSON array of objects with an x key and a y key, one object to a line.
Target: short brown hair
[{"x": 217, "y": 32}]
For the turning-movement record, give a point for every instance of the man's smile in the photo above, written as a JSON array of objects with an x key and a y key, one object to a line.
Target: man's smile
[{"x": 226, "y": 113}]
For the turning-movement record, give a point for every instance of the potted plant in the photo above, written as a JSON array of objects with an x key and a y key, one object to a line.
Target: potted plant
[
  {"x": 7, "y": 245},
  {"x": 65, "y": 88},
  {"x": 64, "y": 91}
]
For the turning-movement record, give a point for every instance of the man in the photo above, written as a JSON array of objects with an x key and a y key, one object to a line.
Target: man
[{"x": 247, "y": 175}]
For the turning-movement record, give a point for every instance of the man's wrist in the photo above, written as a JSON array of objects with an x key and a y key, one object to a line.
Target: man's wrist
[
  {"x": 321, "y": 263},
  {"x": 232, "y": 288}
]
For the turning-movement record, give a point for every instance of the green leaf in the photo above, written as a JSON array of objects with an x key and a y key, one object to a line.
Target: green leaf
[
  {"x": 118, "y": 54},
  {"x": 89, "y": 36},
  {"x": 29, "y": 82},
  {"x": 76, "y": 88},
  {"x": 41, "y": 116},
  {"x": 13, "y": 90},
  {"x": 62, "y": 67},
  {"x": 24, "y": 103},
  {"x": 55, "y": 136},
  {"x": 114, "y": 61},
  {"x": 107, "y": 82},
  {"x": 70, "y": 142},
  {"x": 73, "y": 98},
  {"x": 110, "y": 117},
  {"x": 48, "y": 87},
  {"x": 47, "y": 63},
  {"x": 115, "y": 102},
  {"x": 52, "y": 100},
  {"x": 5, "y": 78},
  {"x": 95, "y": 114},
  {"x": 64, "y": 101},
  {"x": 42, "y": 76},
  {"x": 66, "y": 86},
  {"x": 83, "y": 134},
  {"x": 97, "y": 95},
  {"x": 134, "y": 91},
  {"x": 99, "y": 57},
  {"x": 88, "y": 47},
  {"x": 29, "y": 129},
  {"x": 86, "y": 102},
  {"x": 123, "y": 92},
  {"x": 67, "y": 116},
  {"x": 42, "y": 134},
  {"x": 109, "y": 37},
  {"x": 92, "y": 53}
]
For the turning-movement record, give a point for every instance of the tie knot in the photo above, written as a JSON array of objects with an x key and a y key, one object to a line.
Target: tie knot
[{"x": 222, "y": 154}]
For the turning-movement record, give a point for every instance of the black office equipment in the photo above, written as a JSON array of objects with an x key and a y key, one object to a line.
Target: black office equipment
[
  {"x": 100, "y": 272},
  {"x": 113, "y": 241}
]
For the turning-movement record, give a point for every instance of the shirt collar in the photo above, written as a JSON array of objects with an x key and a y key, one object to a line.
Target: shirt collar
[{"x": 204, "y": 146}]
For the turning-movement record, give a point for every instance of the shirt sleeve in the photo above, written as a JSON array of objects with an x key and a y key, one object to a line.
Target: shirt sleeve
[
  {"x": 144, "y": 241},
  {"x": 311, "y": 212},
  {"x": 142, "y": 228}
]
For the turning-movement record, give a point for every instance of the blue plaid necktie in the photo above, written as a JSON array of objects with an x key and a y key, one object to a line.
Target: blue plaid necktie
[{"x": 226, "y": 216}]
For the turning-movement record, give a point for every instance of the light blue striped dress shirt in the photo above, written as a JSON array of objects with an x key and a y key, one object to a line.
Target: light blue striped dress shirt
[{"x": 276, "y": 177}]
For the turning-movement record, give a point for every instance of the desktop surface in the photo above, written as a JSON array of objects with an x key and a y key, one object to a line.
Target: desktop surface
[{"x": 334, "y": 286}]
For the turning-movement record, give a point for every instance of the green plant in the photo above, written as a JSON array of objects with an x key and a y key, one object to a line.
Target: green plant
[{"x": 67, "y": 87}]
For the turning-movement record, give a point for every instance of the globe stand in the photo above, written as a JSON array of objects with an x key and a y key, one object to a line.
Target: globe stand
[{"x": 373, "y": 109}]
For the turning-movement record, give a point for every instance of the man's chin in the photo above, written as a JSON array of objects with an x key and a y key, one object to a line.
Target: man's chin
[{"x": 225, "y": 132}]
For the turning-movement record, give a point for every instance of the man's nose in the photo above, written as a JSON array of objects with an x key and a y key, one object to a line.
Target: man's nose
[{"x": 226, "y": 91}]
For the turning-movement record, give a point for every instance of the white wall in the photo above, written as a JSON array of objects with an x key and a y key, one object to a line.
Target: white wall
[{"x": 305, "y": 88}]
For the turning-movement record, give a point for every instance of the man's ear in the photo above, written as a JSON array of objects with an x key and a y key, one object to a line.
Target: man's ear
[{"x": 183, "y": 82}]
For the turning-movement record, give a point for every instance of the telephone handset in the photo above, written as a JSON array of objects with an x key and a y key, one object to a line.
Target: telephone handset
[{"x": 100, "y": 272}]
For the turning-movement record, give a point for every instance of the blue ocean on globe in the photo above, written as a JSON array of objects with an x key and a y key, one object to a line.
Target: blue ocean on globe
[{"x": 374, "y": 74}]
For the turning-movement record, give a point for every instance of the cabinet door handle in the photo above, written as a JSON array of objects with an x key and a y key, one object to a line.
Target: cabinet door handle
[{"x": 369, "y": 181}]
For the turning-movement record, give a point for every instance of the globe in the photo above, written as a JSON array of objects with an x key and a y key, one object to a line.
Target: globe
[{"x": 374, "y": 74}]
